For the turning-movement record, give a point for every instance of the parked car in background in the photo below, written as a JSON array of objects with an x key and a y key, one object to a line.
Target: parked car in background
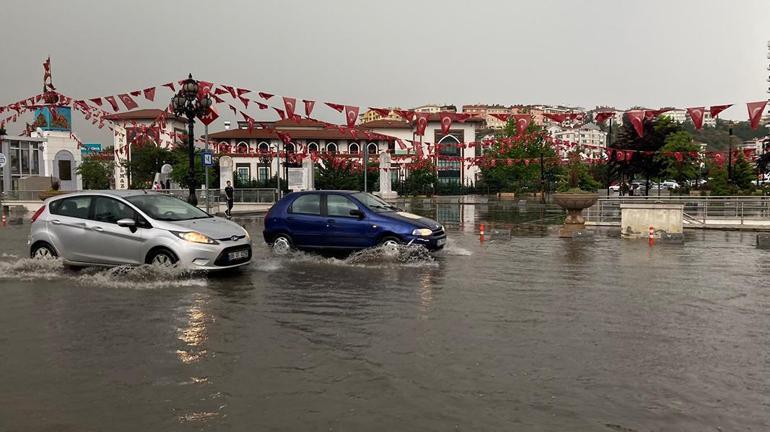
[
  {"x": 135, "y": 227},
  {"x": 345, "y": 220}
]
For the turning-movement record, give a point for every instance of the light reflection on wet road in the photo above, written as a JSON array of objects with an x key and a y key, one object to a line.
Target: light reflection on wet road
[{"x": 529, "y": 332}]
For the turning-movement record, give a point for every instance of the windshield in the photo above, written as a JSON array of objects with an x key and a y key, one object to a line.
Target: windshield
[
  {"x": 166, "y": 208},
  {"x": 374, "y": 203}
]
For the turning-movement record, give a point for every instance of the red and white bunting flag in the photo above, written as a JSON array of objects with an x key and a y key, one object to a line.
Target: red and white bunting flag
[
  {"x": 714, "y": 110},
  {"x": 233, "y": 109},
  {"x": 264, "y": 95},
  {"x": 421, "y": 122},
  {"x": 149, "y": 93},
  {"x": 285, "y": 137},
  {"x": 244, "y": 101},
  {"x": 204, "y": 88},
  {"x": 335, "y": 106},
  {"x": 522, "y": 121},
  {"x": 636, "y": 117},
  {"x": 261, "y": 105},
  {"x": 351, "y": 115},
  {"x": 127, "y": 101},
  {"x": 249, "y": 120},
  {"x": 382, "y": 112},
  {"x": 230, "y": 90},
  {"x": 170, "y": 85},
  {"x": 461, "y": 117},
  {"x": 135, "y": 93},
  {"x": 97, "y": 101},
  {"x": 405, "y": 114},
  {"x": 446, "y": 121},
  {"x": 216, "y": 98},
  {"x": 219, "y": 91},
  {"x": 556, "y": 117},
  {"x": 602, "y": 116},
  {"x": 401, "y": 144},
  {"x": 696, "y": 115},
  {"x": 417, "y": 146},
  {"x": 755, "y": 112},
  {"x": 242, "y": 91},
  {"x": 280, "y": 113},
  {"x": 502, "y": 117},
  {"x": 113, "y": 103},
  {"x": 309, "y": 104},
  {"x": 289, "y": 104}
]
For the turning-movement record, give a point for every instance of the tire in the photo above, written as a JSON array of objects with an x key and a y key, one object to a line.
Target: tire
[
  {"x": 281, "y": 245},
  {"x": 390, "y": 244},
  {"x": 162, "y": 258},
  {"x": 43, "y": 251}
]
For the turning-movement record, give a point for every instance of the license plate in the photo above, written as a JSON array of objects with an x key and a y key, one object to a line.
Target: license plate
[
  {"x": 440, "y": 242},
  {"x": 237, "y": 255}
]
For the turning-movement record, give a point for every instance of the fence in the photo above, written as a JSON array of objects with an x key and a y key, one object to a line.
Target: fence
[{"x": 698, "y": 211}]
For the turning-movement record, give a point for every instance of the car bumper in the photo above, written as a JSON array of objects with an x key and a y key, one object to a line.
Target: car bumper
[
  {"x": 432, "y": 243},
  {"x": 215, "y": 257}
]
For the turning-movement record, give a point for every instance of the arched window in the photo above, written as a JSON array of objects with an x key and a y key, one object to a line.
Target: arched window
[
  {"x": 353, "y": 148},
  {"x": 372, "y": 148},
  {"x": 331, "y": 148},
  {"x": 264, "y": 147},
  {"x": 224, "y": 147},
  {"x": 312, "y": 147},
  {"x": 243, "y": 147},
  {"x": 289, "y": 148}
]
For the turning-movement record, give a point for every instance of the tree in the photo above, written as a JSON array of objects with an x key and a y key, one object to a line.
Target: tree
[
  {"x": 146, "y": 160},
  {"x": 512, "y": 162},
  {"x": 679, "y": 157},
  {"x": 743, "y": 173},
  {"x": 96, "y": 171},
  {"x": 718, "y": 183},
  {"x": 422, "y": 178},
  {"x": 335, "y": 172}
]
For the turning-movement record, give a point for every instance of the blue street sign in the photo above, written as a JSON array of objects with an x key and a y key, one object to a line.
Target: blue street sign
[
  {"x": 208, "y": 158},
  {"x": 90, "y": 148}
]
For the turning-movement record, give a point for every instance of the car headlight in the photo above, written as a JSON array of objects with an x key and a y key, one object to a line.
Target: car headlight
[
  {"x": 195, "y": 237},
  {"x": 245, "y": 232},
  {"x": 422, "y": 232}
]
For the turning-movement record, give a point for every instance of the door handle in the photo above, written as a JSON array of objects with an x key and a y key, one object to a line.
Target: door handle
[
  {"x": 331, "y": 221},
  {"x": 97, "y": 228},
  {"x": 56, "y": 222}
]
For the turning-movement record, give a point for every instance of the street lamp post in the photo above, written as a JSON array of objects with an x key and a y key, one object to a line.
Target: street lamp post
[{"x": 187, "y": 103}]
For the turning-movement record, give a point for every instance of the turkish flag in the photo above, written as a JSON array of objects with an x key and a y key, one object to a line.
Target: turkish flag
[
  {"x": 280, "y": 113},
  {"x": 446, "y": 121},
  {"x": 169, "y": 85},
  {"x": 249, "y": 121},
  {"x": 335, "y": 106},
  {"x": 405, "y": 114},
  {"x": 351, "y": 115},
  {"x": 233, "y": 109},
  {"x": 383, "y": 112},
  {"x": 204, "y": 88},
  {"x": 135, "y": 93},
  {"x": 309, "y": 104},
  {"x": 219, "y": 91},
  {"x": 286, "y": 138},
  {"x": 264, "y": 95},
  {"x": 636, "y": 117},
  {"x": 113, "y": 103},
  {"x": 522, "y": 121},
  {"x": 696, "y": 115},
  {"x": 217, "y": 99},
  {"x": 127, "y": 101},
  {"x": 262, "y": 106},
  {"x": 209, "y": 117},
  {"x": 417, "y": 148},
  {"x": 149, "y": 93},
  {"x": 461, "y": 117},
  {"x": 242, "y": 91},
  {"x": 97, "y": 101},
  {"x": 230, "y": 90},
  {"x": 289, "y": 104},
  {"x": 501, "y": 117},
  {"x": 558, "y": 118},
  {"x": 421, "y": 121},
  {"x": 651, "y": 114},
  {"x": 719, "y": 159},
  {"x": 401, "y": 144},
  {"x": 714, "y": 110},
  {"x": 755, "y": 112},
  {"x": 602, "y": 116}
]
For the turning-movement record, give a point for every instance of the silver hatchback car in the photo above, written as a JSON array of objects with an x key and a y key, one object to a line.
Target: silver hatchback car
[{"x": 135, "y": 227}]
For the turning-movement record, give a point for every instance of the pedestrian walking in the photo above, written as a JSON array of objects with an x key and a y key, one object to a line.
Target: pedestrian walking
[
  {"x": 156, "y": 186},
  {"x": 229, "y": 198}
]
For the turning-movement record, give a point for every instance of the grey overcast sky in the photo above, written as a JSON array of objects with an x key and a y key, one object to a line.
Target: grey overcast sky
[{"x": 398, "y": 52}]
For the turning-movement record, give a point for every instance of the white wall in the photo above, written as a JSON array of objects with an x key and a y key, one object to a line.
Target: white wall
[{"x": 57, "y": 141}]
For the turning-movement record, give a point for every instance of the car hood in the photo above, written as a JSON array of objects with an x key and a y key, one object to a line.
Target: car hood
[
  {"x": 413, "y": 219},
  {"x": 216, "y": 228}
]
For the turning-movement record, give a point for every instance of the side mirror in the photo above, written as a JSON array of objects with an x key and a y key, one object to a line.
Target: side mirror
[
  {"x": 127, "y": 223},
  {"x": 357, "y": 213}
]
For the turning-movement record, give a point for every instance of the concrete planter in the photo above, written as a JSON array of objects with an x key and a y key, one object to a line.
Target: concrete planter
[{"x": 574, "y": 203}]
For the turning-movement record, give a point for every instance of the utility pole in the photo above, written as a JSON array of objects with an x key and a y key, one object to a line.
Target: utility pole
[{"x": 730, "y": 158}]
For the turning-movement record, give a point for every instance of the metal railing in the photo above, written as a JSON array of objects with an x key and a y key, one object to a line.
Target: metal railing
[{"x": 698, "y": 211}]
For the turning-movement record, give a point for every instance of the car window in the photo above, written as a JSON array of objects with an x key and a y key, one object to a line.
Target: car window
[
  {"x": 76, "y": 207},
  {"x": 307, "y": 204},
  {"x": 166, "y": 208},
  {"x": 111, "y": 210},
  {"x": 340, "y": 206}
]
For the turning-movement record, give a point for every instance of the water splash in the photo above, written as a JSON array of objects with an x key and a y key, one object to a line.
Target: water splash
[
  {"x": 29, "y": 269},
  {"x": 377, "y": 257}
]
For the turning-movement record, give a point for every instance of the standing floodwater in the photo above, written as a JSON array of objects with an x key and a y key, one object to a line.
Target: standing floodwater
[{"x": 522, "y": 332}]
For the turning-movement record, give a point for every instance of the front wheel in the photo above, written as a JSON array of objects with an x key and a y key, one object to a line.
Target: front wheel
[
  {"x": 281, "y": 245},
  {"x": 390, "y": 245},
  {"x": 162, "y": 258}
]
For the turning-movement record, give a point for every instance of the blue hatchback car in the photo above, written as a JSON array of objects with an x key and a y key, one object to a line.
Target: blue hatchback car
[{"x": 345, "y": 220}]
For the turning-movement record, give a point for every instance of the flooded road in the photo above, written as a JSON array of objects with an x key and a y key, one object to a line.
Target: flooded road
[{"x": 523, "y": 332}]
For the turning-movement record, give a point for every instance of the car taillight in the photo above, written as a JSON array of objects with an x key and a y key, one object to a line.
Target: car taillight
[{"x": 37, "y": 214}]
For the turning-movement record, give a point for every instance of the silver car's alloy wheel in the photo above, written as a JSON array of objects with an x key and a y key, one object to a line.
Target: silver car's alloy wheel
[
  {"x": 43, "y": 253},
  {"x": 281, "y": 246},
  {"x": 162, "y": 260}
]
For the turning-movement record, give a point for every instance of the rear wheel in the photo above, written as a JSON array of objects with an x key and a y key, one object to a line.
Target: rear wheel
[
  {"x": 162, "y": 258},
  {"x": 281, "y": 244},
  {"x": 43, "y": 251}
]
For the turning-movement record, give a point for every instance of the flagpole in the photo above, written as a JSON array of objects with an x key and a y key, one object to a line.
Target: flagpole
[{"x": 205, "y": 167}]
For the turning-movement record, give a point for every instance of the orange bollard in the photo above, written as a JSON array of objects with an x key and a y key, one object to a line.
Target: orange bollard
[
  {"x": 481, "y": 233},
  {"x": 652, "y": 236}
]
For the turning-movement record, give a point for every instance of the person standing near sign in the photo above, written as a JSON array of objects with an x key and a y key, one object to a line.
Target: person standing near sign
[{"x": 229, "y": 198}]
